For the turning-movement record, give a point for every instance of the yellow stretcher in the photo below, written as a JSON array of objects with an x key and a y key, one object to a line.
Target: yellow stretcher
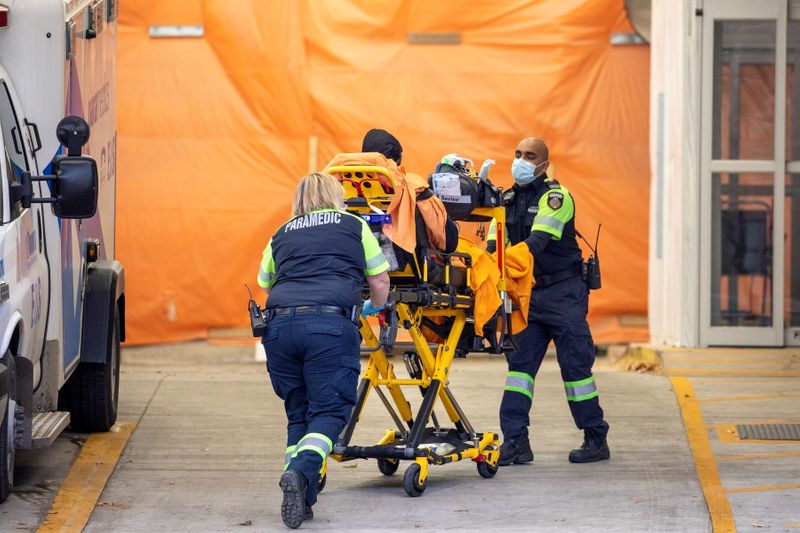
[{"x": 443, "y": 304}]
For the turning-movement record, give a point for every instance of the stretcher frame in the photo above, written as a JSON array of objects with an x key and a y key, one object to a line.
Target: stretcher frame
[{"x": 413, "y": 438}]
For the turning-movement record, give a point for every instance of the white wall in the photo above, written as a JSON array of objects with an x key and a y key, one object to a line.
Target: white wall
[{"x": 675, "y": 166}]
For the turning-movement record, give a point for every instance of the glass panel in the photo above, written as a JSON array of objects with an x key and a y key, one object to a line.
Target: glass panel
[
  {"x": 791, "y": 251},
  {"x": 741, "y": 249},
  {"x": 744, "y": 90},
  {"x": 12, "y": 134},
  {"x": 792, "y": 88},
  {"x": 791, "y": 291}
]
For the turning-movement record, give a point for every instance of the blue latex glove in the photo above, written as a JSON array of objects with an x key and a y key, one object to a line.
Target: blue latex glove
[{"x": 369, "y": 309}]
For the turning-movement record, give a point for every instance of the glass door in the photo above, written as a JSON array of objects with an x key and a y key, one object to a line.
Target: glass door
[
  {"x": 743, "y": 92},
  {"x": 791, "y": 290}
]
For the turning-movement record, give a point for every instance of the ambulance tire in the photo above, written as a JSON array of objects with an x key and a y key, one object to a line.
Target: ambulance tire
[
  {"x": 92, "y": 393},
  {"x": 8, "y": 432}
]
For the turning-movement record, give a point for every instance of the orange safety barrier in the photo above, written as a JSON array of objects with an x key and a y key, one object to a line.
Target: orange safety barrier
[{"x": 214, "y": 132}]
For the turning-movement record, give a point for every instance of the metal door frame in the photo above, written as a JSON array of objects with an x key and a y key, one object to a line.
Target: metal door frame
[{"x": 714, "y": 10}]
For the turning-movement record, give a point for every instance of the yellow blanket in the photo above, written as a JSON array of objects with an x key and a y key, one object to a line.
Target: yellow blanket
[
  {"x": 483, "y": 282},
  {"x": 519, "y": 282}
]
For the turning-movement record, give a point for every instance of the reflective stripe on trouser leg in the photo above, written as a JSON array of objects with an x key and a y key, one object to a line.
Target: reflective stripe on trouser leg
[
  {"x": 287, "y": 456},
  {"x": 578, "y": 391},
  {"x": 315, "y": 442},
  {"x": 520, "y": 382}
]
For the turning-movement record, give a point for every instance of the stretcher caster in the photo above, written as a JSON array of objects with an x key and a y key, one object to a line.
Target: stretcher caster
[
  {"x": 486, "y": 470},
  {"x": 323, "y": 479},
  {"x": 411, "y": 483},
  {"x": 388, "y": 466}
]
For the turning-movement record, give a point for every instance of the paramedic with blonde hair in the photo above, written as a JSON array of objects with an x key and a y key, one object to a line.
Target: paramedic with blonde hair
[{"x": 313, "y": 271}]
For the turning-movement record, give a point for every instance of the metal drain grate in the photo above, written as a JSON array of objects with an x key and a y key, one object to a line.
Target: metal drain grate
[{"x": 768, "y": 431}]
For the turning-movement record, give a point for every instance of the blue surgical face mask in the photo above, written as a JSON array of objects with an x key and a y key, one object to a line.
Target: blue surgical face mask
[{"x": 524, "y": 173}]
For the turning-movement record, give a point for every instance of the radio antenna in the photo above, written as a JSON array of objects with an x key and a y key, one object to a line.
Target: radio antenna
[{"x": 596, "y": 239}]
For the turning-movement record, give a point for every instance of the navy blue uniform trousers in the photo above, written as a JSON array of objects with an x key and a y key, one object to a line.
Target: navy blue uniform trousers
[
  {"x": 558, "y": 313},
  {"x": 313, "y": 364}
]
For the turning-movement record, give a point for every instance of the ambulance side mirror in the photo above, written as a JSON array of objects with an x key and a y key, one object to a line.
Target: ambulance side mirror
[
  {"x": 74, "y": 182},
  {"x": 75, "y": 187}
]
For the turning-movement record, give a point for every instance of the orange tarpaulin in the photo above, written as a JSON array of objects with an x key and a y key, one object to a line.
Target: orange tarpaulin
[{"x": 214, "y": 132}]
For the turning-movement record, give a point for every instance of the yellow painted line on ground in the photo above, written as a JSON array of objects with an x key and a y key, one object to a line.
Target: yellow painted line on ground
[
  {"x": 755, "y": 397},
  {"x": 760, "y": 456},
  {"x": 763, "y": 489},
  {"x": 791, "y": 525},
  {"x": 78, "y": 495},
  {"x": 723, "y": 371},
  {"x": 718, "y": 505}
]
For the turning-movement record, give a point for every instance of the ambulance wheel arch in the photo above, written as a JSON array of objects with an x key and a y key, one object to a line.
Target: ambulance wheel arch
[{"x": 91, "y": 393}]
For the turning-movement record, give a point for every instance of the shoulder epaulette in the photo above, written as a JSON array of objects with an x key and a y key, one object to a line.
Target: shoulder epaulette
[{"x": 553, "y": 184}]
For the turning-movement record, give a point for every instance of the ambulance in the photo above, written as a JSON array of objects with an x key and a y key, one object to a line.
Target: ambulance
[{"x": 62, "y": 293}]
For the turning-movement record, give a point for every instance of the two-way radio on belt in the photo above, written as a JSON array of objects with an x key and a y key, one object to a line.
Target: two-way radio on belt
[
  {"x": 591, "y": 267},
  {"x": 257, "y": 322}
]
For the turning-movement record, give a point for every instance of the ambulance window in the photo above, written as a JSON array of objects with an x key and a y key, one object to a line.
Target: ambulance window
[
  {"x": 12, "y": 133},
  {"x": 5, "y": 171},
  {"x": 11, "y": 176}
]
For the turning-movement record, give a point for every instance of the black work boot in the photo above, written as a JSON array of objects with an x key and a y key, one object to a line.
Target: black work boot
[
  {"x": 516, "y": 451},
  {"x": 294, "y": 509},
  {"x": 594, "y": 448}
]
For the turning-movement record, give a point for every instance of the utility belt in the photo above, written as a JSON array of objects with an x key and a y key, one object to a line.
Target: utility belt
[
  {"x": 588, "y": 270},
  {"x": 545, "y": 280},
  {"x": 352, "y": 314}
]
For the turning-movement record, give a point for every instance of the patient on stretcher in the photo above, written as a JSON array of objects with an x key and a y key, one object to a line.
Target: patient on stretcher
[{"x": 419, "y": 221}]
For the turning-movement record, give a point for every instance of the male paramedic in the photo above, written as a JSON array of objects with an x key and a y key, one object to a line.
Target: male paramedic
[
  {"x": 541, "y": 212},
  {"x": 313, "y": 270}
]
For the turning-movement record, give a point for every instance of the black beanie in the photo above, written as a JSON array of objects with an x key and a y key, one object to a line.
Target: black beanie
[{"x": 377, "y": 140}]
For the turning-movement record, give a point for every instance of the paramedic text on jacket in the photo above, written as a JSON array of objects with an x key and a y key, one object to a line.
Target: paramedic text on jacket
[
  {"x": 313, "y": 270},
  {"x": 541, "y": 212}
]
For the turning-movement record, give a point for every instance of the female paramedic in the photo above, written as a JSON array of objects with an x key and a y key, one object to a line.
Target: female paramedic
[{"x": 313, "y": 271}]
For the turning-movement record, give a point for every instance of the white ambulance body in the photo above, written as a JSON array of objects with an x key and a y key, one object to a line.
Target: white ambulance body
[{"x": 62, "y": 298}]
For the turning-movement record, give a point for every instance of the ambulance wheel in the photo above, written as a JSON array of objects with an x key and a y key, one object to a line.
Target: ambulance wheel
[
  {"x": 92, "y": 392},
  {"x": 8, "y": 431},
  {"x": 486, "y": 470},
  {"x": 321, "y": 483},
  {"x": 388, "y": 466},
  {"x": 411, "y": 481}
]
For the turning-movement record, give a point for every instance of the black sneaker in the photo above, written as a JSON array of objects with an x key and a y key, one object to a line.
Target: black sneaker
[
  {"x": 309, "y": 514},
  {"x": 516, "y": 451},
  {"x": 594, "y": 448},
  {"x": 293, "y": 508}
]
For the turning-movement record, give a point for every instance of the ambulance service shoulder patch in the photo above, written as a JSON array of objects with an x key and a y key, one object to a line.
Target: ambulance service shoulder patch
[{"x": 555, "y": 200}]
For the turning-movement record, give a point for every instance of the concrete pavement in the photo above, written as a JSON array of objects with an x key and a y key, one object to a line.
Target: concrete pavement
[{"x": 207, "y": 453}]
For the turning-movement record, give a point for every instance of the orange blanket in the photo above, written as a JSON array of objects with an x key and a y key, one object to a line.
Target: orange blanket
[
  {"x": 519, "y": 282},
  {"x": 402, "y": 230},
  {"x": 483, "y": 282}
]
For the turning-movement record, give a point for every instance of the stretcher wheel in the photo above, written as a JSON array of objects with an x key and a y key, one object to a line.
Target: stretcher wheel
[
  {"x": 388, "y": 466},
  {"x": 486, "y": 470},
  {"x": 321, "y": 482},
  {"x": 411, "y": 481}
]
